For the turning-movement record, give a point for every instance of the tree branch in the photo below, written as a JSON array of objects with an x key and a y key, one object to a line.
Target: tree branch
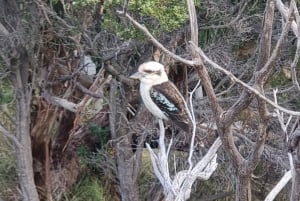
[
  {"x": 60, "y": 102},
  {"x": 279, "y": 186},
  {"x": 122, "y": 78},
  {"x": 10, "y": 136},
  {"x": 229, "y": 23},
  {"x": 3, "y": 30},
  {"x": 87, "y": 91},
  {"x": 193, "y": 25},
  {"x": 296, "y": 57},
  {"x": 246, "y": 86},
  {"x": 266, "y": 37},
  {"x": 155, "y": 42},
  {"x": 263, "y": 71},
  {"x": 285, "y": 13}
]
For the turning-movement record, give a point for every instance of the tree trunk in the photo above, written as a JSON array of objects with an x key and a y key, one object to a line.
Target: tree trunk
[
  {"x": 243, "y": 188},
  {"x": 295, "y": 195},
  {"x": 126, "y": 159},
  {"x": 125, "y": 162},
  {"x": 24, "y": 153}
]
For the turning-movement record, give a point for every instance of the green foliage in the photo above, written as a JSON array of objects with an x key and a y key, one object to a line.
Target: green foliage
[
  {"x": 280, "y": 79},
  {"x": 208, "y": 36},
  {"x": 83, "y": 151},
  {"x": 170, "y": 14},
  {"x": 100, "y": 133},
  {"x": 157, "y": 15},
  {"x": 84, "y": 3},
  {"x": 101, "y": 138},
  {"x": 88, "y": 189},
  {"x": 8, "y": 176},
  {"x": 6, "y": 92}
]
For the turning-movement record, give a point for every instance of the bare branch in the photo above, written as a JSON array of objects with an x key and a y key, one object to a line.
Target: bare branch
[
  {"x": 3, "y": 30},
  {"x": 88, "y": 92},
  {"x": 246, "y": 86},
  {"x": 60, "y": 102},
  {"x": 266, "y": 37},
  {"x": 125, "y": 6},
  {"x": 155, "y": 42},
  {"x": 262, "y": 73},
  {"x": 296, "y": 57},
  {"x": 122, "y": 78},
  {"x": 194, "y": 126},
  {"x": 232, "y": 22},
  {"x": 279, "y": 186},
  {"x": 193, "y": 24},
  {"x": 10, "y": 136},
  {"x": 265, "y": 71},
  {"x": 160, "y": 162},
  {"x": 284, "y": 127},
  {"x": 46, "y": 10},
  {"x": 285, "y": 12}
]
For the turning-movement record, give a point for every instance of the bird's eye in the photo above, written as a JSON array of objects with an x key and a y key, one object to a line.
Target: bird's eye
[
  {"x": 153, "y": 72},
  {"x": 149, "y": 71}
]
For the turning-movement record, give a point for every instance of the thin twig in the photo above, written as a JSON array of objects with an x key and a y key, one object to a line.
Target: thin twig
[
  {"x": 235, "y": 79},
  {"x": 229, "y": 23},
  {"x": 84, "y": 90},
  {"x": 194, "y": 126},
  {"x": 122, "y": 78},
  {"x": 155, "y": 42},
  {"x": 284, "y": 12},
  {"x": 3, "y": 30},
  {"x": 10, "y": 136},
  {"x": 279, "y": 186}
]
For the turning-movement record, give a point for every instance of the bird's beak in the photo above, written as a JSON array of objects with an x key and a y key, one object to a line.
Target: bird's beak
[{"x": 137, "y": 75}]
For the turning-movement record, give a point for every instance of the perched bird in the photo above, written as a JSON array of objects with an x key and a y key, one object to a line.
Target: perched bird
[{"x": 160, "y": 96}]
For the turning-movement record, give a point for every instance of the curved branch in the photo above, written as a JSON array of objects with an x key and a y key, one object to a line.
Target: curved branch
[
  {"x": 296, "y": 57},
  {"x": 122, "y": 78},
  {"x": 284, "y": 12},
  {"x": 10, "y": 136},
  {"x": 156, "y": 42},
  {"x": 246, "y": 86}
]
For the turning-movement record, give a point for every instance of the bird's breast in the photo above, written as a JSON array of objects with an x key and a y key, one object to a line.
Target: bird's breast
[{"x": 150, "y": 105}]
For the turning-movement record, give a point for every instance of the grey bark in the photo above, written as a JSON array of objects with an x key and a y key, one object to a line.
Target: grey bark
[
  {"x": 294, "y": 147},
  {"x": 22, "y": 121},
  {"x": 126, "y": 165}
]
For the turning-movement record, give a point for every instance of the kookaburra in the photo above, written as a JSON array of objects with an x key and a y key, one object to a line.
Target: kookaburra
[{"x": 160, "y": 96}]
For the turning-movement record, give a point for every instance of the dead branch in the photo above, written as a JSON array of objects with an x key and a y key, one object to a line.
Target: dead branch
[
  {"x": 263, "y": 69},
  {"x": 213, "y": 64},
  {"x": 47, "y": 11},
  {"x": 10, "y": 136},
  {"x": 192, "y": 114},
  {"x": 279, "y": 186},
  {"x": 232, "y": 22},
  {"x": 180, "y": 187},
  {"x": 246, "y": 86},
  {"x": 296, "y": 57},
  {"x": 88, "y": 92},
  {"x": 3, "y": 30},
  {"x": 61, "y": 102},
  {"x": 122, "y": 78},
  {"x": 285, "y": 13},
  {"x": 155, "y": 42},
  {"x": 284, "y": 127}
]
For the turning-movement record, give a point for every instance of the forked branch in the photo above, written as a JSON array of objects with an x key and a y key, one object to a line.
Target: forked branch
[
  {"x": 180, "y": 187},
  {"x": 208, "y": 60}
]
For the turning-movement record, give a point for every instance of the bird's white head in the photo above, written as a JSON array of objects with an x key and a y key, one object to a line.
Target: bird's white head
[{"x": 151, "y": 73}]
